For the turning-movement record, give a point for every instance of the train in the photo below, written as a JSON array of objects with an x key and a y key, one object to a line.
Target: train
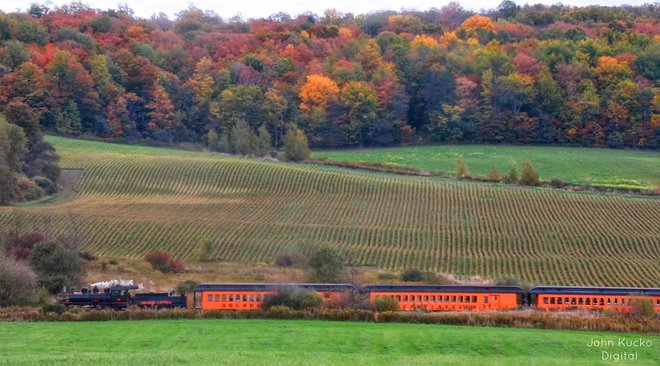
[{"x": 247, "y": 296}]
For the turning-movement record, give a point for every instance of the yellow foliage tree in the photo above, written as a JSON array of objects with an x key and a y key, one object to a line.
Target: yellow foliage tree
[
  {"x": 423, "y": 41},
  {"x": 201, "y": 81},
  {"x": 477, "y": 23},
  {"x": 317, "y": 92}
]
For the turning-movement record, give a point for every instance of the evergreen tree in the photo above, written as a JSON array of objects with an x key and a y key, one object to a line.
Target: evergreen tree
[{"x": 67, "y": 121}]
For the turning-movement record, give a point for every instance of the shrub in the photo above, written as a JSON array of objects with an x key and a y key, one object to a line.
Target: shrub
[
  {"x": 529, "y": 177},
  {"x": 205, "y": 251},
  {"x": 159, "y": 260},
  {"x": 289, "y": 259},
  {"x": 22, "y": 253},
  {"x": 557, "y": 183},
  {"x": 387, "y": 276},
  {"x": 512, "y": 176},
  {"x": 412, "y": 275},
  {"x": 176, "y": 266},
  {"x": 284, "y": 260},
  {"x": 18, "y": 284},
  {"x": 511, "y": 280},
  {"x": 53, "y": 308},
  {"x": 114, "y": 262},
  {"x": 56, "y": 266},
  {"x": 494, "y": 175},
  {"x": 462, "y": 170},
  {"x": 31, "y": 239},
  {"x": 386, "y": 303},
  {"x": 293, "y": 298},
  {"x": 46, "y": 184},
  {"x": 296, "y": 146},
  {"x": 186, "y": 287},
  {"x": 88, "y": 256},
  {"x": 642, "y": 307},
  {"x": 163, "y": 262}
]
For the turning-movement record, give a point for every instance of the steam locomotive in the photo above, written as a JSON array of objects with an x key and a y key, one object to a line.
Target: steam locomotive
[
  {"x": 245, "y": 296},
  {"x": 119, "y": 297}
]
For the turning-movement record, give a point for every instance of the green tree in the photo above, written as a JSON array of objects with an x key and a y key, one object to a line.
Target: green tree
[
  {"x": 296, "y": 147},
  {"x": 67, "y": 121},
  {"x": 56, "y": 266},
  {"x": 529, "y": 177},
  {"x": 327, "y": 265},
  {"x": 512, "y": 176},
  {"x": 264, "y": 142},
  {"x": 14, "y": 54},
  {"x": 205, "y": 250},
  {"x": 12, "y": 151},
  {"x": 243, "y": 141},
  {"x": 18, "y": 284}
]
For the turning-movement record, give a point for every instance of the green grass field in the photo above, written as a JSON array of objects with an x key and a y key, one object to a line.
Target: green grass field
[
  {"x": 133, "y": 200},
  {"x": 589, "y": 166},
  {"x": 272, "y": 342}
]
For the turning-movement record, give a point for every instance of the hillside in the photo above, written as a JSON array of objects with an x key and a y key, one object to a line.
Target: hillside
[
  {"x": 136, "y": 199},
  {"x": 589, "y": 166}
]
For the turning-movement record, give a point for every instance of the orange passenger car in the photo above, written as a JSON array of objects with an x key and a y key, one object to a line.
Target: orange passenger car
[
  {"x": 446, "y": 298},
  {"x": 245, "y": 296},
  {"x": 592, "y": 298}
]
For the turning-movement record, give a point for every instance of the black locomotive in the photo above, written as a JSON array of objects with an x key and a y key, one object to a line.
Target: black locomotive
[{"x": 120, "y": 297}]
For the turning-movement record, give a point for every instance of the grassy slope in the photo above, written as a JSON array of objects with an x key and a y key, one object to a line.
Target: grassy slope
[
  {"x": 600, "y": 167},
  {"x": 135, "y": 199},
  {"x": 268, "y": 342}
]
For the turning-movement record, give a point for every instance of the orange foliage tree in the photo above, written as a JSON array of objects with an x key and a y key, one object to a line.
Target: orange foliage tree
[{"x": 317, "y": 92}]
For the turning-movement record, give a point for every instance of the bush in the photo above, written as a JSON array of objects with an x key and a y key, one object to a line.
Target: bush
[
  {"x": 557, "y": 183},
  {"x": 296, "y": 146},
  {"x": 114, "y": 262},
  {"x": 511, "y": 280},
  {"x": 462, "y": 170},
  {"x": 56, "y": 266},
  {"x": 53, "y": 308},
  {"x": 46, "y": 184},
  {"x": 186, "y": 287},
  {"x": 88, "y": 256},
  {"x": 387, "y": 276},
  {"x": 18, "y": 284},
  {"x": 294, "y": 299},
  {"x": 512, "y": 176},
  {"x": 495, "y": 175},
  {"x": 284, "y": 260},
  {"x": 163, "y": 262},
  {"x": 289, "y": 259},
  {"x": 412, "y": 275},
  {"x": 642, "y": 307},
  {"x": 386, "y": 303},
  {"x": 205, "y": 251},
  {"x": 529, "y": 177},
  {"x": 159, "y": 260}
]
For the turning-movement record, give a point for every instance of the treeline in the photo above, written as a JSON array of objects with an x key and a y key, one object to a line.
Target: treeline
[{"x": 532, "y": 74}]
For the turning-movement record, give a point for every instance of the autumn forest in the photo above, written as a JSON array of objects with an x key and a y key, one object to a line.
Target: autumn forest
[{"x": 533, "y": 74}]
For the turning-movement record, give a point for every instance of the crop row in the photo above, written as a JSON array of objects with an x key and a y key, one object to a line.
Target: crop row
[{"x": 132, "y": 201}]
